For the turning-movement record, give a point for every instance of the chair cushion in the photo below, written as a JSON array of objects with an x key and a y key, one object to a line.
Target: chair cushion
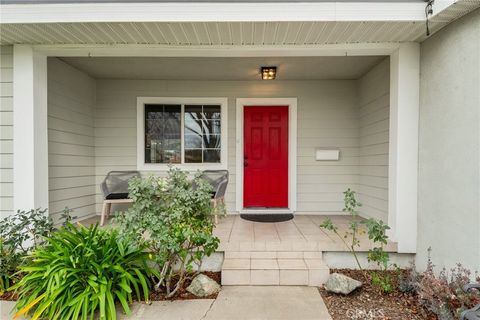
[{"x": 115, "y": 196}]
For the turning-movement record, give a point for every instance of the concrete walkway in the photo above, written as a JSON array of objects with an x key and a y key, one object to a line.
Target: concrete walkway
[{"x": 233, "y": 302}]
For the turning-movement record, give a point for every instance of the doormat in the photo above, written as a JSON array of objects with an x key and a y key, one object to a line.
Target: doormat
[{"x": 267, "y": 218}]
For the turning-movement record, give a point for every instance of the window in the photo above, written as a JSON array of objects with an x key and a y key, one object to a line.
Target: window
[
  {"x": 162, "y": 133},
  {"x": 181, "y": 131},
  {"x": 202, "y": 133}
]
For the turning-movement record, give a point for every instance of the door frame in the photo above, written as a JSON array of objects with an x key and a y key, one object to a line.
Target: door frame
[{"x": 292, "y": 151}]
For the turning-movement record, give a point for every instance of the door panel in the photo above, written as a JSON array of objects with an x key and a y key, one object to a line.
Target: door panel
[{"x": 265, "y": 157}]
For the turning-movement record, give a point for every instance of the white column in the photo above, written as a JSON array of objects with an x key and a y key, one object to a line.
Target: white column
[
  {"x": 30, "y": 137},
  {"x": 403, "y": 162}
]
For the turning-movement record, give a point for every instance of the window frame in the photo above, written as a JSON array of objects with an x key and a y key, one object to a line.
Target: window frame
[{"x": 142, "y": 101}]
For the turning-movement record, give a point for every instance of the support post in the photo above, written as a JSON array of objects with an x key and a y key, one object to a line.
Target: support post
[
  {"x": 403, "y": 146},
  {"x": 30, "y": 137}
]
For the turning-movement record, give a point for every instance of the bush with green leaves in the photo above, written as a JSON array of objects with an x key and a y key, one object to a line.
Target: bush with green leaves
[
  {"x": 19, "y": 234},
  {"x": 377, "y": 233},
  {"x": 82, "y": 271},
  {"x": 350, "y": 238},
  {"x": 175, "y": 215}
]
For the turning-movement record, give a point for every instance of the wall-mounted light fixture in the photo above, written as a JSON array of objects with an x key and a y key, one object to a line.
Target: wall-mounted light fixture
[
  {"x": 428, "y": 13},
  {"x": 269, "y": 73}
]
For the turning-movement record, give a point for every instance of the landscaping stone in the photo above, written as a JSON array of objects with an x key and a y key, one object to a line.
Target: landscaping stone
[
  {"x": 339, "y": 283},
  {"x": 203, "y": 286}
]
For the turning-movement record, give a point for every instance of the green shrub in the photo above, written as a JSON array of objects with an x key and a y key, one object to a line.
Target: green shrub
[
  {"x": 80, "y": 271},
  {"x": 20, "y": 233},
  {"x": 377, "y": 233},
  {"x": 175, "y": 214},
  {"x": 350, "y": 238}
]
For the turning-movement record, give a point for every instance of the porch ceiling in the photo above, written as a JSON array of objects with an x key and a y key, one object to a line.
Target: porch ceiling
[
  {"x": 183, "y": 68},
  {"x": 230, "y": 33}
]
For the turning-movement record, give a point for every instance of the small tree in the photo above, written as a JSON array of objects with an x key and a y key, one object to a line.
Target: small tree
[
  {"x": 174, "y": 214},
  {"x": 350, "y": 237},
  {"x": 377, "y": 233}
]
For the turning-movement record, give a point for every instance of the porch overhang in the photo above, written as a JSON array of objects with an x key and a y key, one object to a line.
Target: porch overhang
[{"x": 225, "y": 23}]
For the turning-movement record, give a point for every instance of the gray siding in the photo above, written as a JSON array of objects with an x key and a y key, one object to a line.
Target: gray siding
[
  {"x": 374, "y": 99},
  {"x": 6, "y": 130},
  {"x": 327, "y": 117},
  {"x": 449, "y": 151},
  {"x": 71, "y": 152}
]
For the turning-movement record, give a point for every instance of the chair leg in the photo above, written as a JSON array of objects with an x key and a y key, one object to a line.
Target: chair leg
[
  {"x": 104, "y": 212},
  {"x": 109, "y": 207},
  {"x": 214, "y": 205}
]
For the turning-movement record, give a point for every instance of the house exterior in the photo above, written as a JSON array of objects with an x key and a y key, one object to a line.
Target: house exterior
[{"x": 363, "y": 98}]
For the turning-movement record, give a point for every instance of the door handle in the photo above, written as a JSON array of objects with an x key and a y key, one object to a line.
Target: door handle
[{"x": 245, "y": 163}]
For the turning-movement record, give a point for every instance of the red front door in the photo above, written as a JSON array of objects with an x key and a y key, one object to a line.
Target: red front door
[{"x": 265, "y": 157}]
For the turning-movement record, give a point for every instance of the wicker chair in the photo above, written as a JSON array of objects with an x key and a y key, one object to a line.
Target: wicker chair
[
  {"x": 115, "y": 190},
  {"x": 474, "y": 313},
  {"x": 218, "y": 179}
]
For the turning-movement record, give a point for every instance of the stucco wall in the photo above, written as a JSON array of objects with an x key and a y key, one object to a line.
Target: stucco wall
[
  {"x": 374, "y": 101},
  {"x": 6, "y": 130},
  {"x": 449, "y": 155},
  {"x": 327, "y": 117},
  {"x": 71, "y": 152}
]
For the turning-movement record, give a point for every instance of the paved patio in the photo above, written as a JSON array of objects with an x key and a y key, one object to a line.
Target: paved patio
[{"x": 242, "y": 303}]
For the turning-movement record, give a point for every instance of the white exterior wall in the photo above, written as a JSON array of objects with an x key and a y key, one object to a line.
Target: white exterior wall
[
  {"x": 449, "y": 146},
  {"x": 374, "y": 99},
  {"x": 71, "y": 152},
  {"x": 6, "y": 130},
  {"x": 327, "y": 117}
]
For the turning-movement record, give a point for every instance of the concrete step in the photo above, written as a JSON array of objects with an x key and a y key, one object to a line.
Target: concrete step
[{"x": 274, "y": 268}]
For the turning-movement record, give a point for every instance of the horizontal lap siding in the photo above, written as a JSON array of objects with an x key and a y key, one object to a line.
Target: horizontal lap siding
[
  {"x": 71, "y": 140},
  {"x": 6, "y": 130},
  {"x": 327, "y": 117},
  {"x": 374, "y": 101}
]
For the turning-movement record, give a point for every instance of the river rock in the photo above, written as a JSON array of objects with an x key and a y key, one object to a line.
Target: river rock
[
  {"x": 203, "y": 286},
  {"x": 339, "y": 283}
]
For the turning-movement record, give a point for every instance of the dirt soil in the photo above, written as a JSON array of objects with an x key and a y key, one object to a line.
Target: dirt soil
[
  {"x": 183, "y": 294},
  {"x": 369, "y": 302}
]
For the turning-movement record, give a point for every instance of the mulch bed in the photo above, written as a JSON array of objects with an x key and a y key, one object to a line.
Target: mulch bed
[
  {"x": 9, "y": 296},
  {"x": 183, "y": 294},
  {"x": 369, "y": 302}
]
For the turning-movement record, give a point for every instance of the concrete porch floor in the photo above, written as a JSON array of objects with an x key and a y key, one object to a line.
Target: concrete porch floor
[{"x": 302, "y": 233}]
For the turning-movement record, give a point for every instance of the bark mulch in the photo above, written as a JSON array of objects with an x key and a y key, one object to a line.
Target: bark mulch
[
  {"x": 369, "y": 302},
  {"x": 183, "y": 294},
  {"x": 9, "y": 296}
]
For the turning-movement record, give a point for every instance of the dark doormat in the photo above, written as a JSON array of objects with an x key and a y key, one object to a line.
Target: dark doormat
[{"x": 268, "y": 218}]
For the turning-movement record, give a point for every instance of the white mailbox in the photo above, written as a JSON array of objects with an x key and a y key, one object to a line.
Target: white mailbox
[{"x": 327, "y": 154}]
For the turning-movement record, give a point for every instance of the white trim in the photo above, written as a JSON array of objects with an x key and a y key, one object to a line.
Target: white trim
[
  {"x": 292, "y": 151},
  {"x": 212, "y": 12},
  {"x": 30, "y": 143},
  {"x": 142, "y": 166},
  {"x": 403, "y": 146},
  {"x": 138, "y": 50}
]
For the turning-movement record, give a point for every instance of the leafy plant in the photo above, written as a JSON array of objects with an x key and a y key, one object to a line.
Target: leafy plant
[
  {"x": 350, "y": 238},
  {"x": 382, "y": 281},
  {"x": 377, "y": 233},
  {"x": 175, "y": 215},
  {"x": 20, "y": 233},
  {"x": 443, "y": 294},
  {"x": 80, "y": 271}
]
